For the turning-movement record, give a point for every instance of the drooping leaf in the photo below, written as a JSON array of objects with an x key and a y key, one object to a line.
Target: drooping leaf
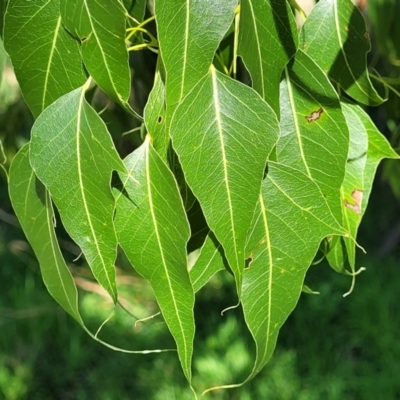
[
  {"x": 209, "y": 262},
  {"x": 189, "y": 33},
  {"x": 153, "y": 232},
  {"x": 291, "y": 219},
  {"x": 100, "y": 27},
  {"x": 314, "y": 136},
  {"x": 335, "y": 37},
  {"x": 73, "y": 155},
  {"x": 267, "y": 40},
  {"x": 154, "y": 117},
  {"x": 367, "y": 148},
  {"x": 46, "y": 59},
  {"x": 32, "y": 205},
  {"x": 223, "y": 142}
]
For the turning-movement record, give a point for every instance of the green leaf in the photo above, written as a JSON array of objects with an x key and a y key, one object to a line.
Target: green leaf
[
  {"x": 223, "y": 133},
  {"x": 291, "y": 219},
  {"x": 267, "y": 40},
  {"x": 32, "y": 205},
  {"x": 46, "y": 59},
  {"x": 189, "y": 33},
  {"x": 73, "y": 155},
  {"x": 335, "y": 37},
  {"x": 209, "y": 261},
  {"x": 153, "y": 232},
  {"x": 100, "y": 27},
  {"x": 314, "y": 136},
  {"x": 367, "y": 148},
  {"x": 154, "y": 117},
  {"x": 136, "y": 8},
  {"x": 3, "y": 59}
]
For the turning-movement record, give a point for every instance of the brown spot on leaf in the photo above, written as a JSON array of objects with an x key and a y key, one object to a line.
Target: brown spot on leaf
[
  {"x": 356, "y": 195},
  {"x": 314, "y": 115}
]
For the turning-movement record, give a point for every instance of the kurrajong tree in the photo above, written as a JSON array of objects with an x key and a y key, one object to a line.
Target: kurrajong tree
[{"x": 253, "y": 124}]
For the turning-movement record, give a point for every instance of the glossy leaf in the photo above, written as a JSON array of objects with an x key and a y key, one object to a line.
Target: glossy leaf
[
  {"x": 267, "y": 40},
  {"x": 46, "y": 59},
  {"x": 209, "y": 262},
  {"x": 32, "y": 205},
  {"x": 153, "y": 232},
  {"x": 223, "y": 144},
  {"x": 73, "y": 155},
  {"x": 335, "y": 36},
  {"x": 313, "y": 129},
  {"x": 189, "y": 33},
  {"x": 100, "y": 27},
  {"x": 291, "y": 219}
]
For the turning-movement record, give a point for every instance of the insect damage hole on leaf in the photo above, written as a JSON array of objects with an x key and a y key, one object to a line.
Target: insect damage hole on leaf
[{"x": 314, "y": 115}]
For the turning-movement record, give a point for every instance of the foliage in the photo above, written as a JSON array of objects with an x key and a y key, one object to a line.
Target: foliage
[{"x": 250, "y": 180}]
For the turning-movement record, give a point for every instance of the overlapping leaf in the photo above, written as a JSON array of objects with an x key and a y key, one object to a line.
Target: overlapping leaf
[
  {"x": 314, "y": 135},
  {"x": 153, "y": 232},
  {"x": 335, "y": 36},
  {"x": 73, "y": 155},
  {"x": 32, "y": 205},
  {"x": 223, "y": 143},
  {"x": 154, "y": 117},
  {"x": 3, "y": 59},
  {"x": 46, "y": 59},
  {"x": 367, "y": 148},
  {"x": 100, "y": 27},
  {"x": 209, "y": 262},
  {"x": 189, "y": 33},
  {"x": 267, "y": 40},
  {"x": 291, "y": 219}
]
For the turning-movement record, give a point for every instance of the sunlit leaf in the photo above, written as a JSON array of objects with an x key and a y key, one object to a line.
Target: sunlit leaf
[
  {"x": 32, "y": 205},
  {"x": 153, "y": 232},
  {"x": 335, "y": 36},
  {"x": 100, "y": 27},
  {"x": 223, "y": 144},
  {"x": 73, "y": 155},
  {"x": 189, "y": 33},
  {"x": 267, "y": 40},
  {"x": 314, "y": 136},
  {"x": 291, "y": 219},
  {"x": 45, "y": 57}
]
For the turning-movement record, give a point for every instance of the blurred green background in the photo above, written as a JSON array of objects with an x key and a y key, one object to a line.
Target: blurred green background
[{"x": 330, "y": 348}]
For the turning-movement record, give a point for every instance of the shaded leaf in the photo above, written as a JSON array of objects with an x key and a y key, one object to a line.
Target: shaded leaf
[
  {"x": 336, "y": 38},
  {"x": 73, "y": 155},
  {"x": 100, "y": 27},
  {"x": 153, "y": 232},
  {"x": 46, "y": 59},
  {"x": 136, "y": 8},
  {"x": 367, "y": 148},
  {"x": 189, "y": 33},
  {"x": 208, "y": 263},
  {"x": 267, "y": 40},
  {"x": 223, "y": 133},
  {"x": 32, "y": 205},
  {"x": 291, "y": 219},
  {"x": 154, "y": 117},
  {"x": 314, "y": 136}
]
